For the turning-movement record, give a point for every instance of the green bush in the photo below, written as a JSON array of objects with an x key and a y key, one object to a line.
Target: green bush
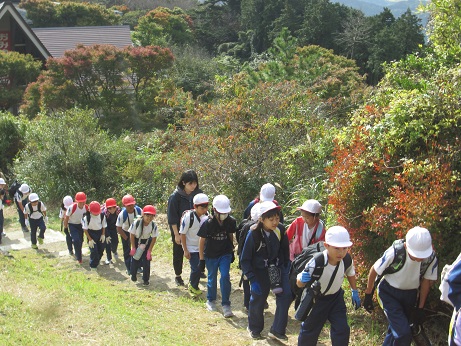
[{"x": 11, "y": 140}]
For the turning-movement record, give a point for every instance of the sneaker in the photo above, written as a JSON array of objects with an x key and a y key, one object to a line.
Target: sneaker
[
  {"x": 202, "y": 275},
  {"x": 179, "y": 281},
  {"x": 107, "y": 261},
  {"x": 226, "y": 311},
  {"x": 116, "y": 255},
  {"x": 140, "y": 270},
  {"x": 254, "y": 335},
  {"x": 134, "y": 278},
  {"x": 211, "y": 306},
  {"x": 194, "y": 291},
  {"x": 80, "y": 261},
  {"x": 34, "y": 246},
  {"x": 25, "y": 229},
  {"x": 128, "y": 272},
  {"x": 3, "y": 234},
  {"x": 274, "y": 335},
  {"x": 40, "y": 240},
  {"x": 146, "y": 283}
]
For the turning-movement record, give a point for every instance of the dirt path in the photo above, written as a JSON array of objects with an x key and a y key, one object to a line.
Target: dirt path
[{"x": 162, "y": 276}]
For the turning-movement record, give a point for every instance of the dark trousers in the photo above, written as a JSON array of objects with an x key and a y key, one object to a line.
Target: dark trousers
[
  {"x": 194, "y": 262},
  {"x": 68, "y": 240},
  {"x": 178, "y": 256},
  {"x": 397, "y": 305},
  {"x": 126, "y": 244},
  {"x": 142, "y": 262},
  {"x": 2, "y": 220},
  {"x": 333, "y": 309},
  {"x": 257, "y": 303},
  {"x": 34, "y": 224},
  {"x": 76, "y": 232},
  {"x": 22, "y": 219},
  {"x": 97, "y": 251},
  {"x": 113, "y": 245}
]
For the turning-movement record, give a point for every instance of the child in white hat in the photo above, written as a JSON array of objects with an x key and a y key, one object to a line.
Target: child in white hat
[
  {"x": 330, "y": 303},
  {"x": 35, "y": 217}
]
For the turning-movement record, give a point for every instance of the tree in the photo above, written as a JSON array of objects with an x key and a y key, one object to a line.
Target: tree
[
  {"x": 16, "y": 71},
  {"x": 353, "y": 41},
  {"x": 11, "y": 140},
  {"x": 45, "y": 13},
  {"x": 164, "y": 27}
]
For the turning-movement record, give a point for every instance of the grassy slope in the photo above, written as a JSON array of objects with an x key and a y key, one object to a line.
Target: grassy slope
[{"x": 54, "y": 301}]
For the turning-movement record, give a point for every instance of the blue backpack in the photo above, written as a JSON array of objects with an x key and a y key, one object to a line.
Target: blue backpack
[{"x": 137, "y": 212}]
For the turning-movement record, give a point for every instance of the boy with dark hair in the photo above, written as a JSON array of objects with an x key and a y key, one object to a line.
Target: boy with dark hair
[
  {"x": 398, "y": 290},
  {"x": 329, "y": 304},
  {"x": 190, "y": 225}
]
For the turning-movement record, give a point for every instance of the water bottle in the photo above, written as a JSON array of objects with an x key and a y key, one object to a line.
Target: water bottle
[{"x": 307, "y": 301}]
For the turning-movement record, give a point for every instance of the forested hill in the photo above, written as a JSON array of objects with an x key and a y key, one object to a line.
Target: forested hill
[{"x": 373, "y": 7}]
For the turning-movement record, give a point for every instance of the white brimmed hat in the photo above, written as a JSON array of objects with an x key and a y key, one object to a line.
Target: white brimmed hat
[
  {"x": 255, "y": 212},
  {"x": 267, "y": 193},
  {"x": 200, "y": 198},
  {"x": 338, "y": 236},
  {"x": 222, "y": 204},
  {"x": 311, "y": 206},
  {"x": 24, "y": 188},
  {"x": 33, "y": 197},
  {"x": 2, "y": 181},
  {"x": 419, "y": 242},
  {"x": 67, "y": 201},
  {"x": 264, "y": 207}
]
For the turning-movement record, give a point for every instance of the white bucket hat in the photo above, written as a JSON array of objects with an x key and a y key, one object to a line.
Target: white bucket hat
[
  {"x": 222, "y": 204},
  {"x": 267, "y": 193},
  {"x": 311, "y": 206},
  {"x": 338, "y": 236},
  {"x": 419, "y": 242},
  {"x": 24, "y": 188},
  {"x": 33, "y": 197}
]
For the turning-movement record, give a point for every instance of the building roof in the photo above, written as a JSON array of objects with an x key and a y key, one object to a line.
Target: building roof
[
  {"x": 58, "y": 40},
  {"x": 8, "y": 8}
]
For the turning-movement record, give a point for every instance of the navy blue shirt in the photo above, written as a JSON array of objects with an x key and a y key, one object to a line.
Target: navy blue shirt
[
  {"x": 217, "y": 241},
  {"x": 178, "y": 203}
]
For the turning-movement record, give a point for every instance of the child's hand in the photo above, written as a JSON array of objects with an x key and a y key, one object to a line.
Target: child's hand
[
  {"x": 356, "y": 299},
  {"x": 108, "y": 240},
  {"x": 149, "y": 256},
  {"x": 26, "y": 221},
  {"x": 368, "y": 303},
  {"x": 132, "y": 251},
  {"x": 305, "y": 277},
  {"x": 91, "y": 243},
  {"x": 103, "y": 238},
  {"x": 256, "y": 288},
  {"x": 45, "y": 219},
  {"x": 187, "y": 254},
  {"x": 201, "y": 265}
]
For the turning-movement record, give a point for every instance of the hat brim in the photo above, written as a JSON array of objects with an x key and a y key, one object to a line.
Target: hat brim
[
  {"x": 223, "y": 211},
  {"x": 338, "y": 244},
  {"x": 420, "y": 254},
  {"x": 35, "y": 200}
]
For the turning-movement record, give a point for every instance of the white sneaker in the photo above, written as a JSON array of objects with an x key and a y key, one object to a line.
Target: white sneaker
[
  {"x": 226, "y": 311},
  {"x": 211, "y": 306},
  {"x": 107, "y": 261},
  {"x": 116, "y": 255}
]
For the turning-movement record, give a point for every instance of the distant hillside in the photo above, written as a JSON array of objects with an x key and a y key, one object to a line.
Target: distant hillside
[{"x": 373, "y": 7}]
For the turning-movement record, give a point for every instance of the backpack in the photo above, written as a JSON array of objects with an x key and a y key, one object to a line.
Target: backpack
[
  {"x": 299, "y": 263},
  {"x": 14, "y": 188},
  {"x": 137, "y": 212},
  {"x": 39, "y": 208},
  {"x": 74, "y": 208},
  {"x": 400, "y": 256},
  {"x": 191, "y": 216},
  {"x": 88, "y": 217},
  {"x": 137, "y": 223}
]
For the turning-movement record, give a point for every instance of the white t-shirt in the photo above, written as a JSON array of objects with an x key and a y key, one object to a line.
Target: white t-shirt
[
  {"x": 307, "y": 235},
  {"x": 34, "y": 213},
  {"x": 19, "y": 198},
  {"x": 76, "y": 217},
  {"x": 125, "y": 225},
  {"x": 328, "y": 272},
  {"x": 192, "y": 239},
  {"x": 95, "y": 222},
  {"x": 144, "y": 232},
  {"x": 406, "y": 278}
]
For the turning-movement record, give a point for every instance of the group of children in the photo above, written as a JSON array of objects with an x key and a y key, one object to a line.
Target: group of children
[{"x": 402, "y": 276}]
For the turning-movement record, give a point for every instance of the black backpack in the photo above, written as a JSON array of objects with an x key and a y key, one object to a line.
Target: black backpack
[
  {"x": 191, "y": 216},
  {"x": 14, "y": 188},
  {"x": 39, "y": 208},
  {"x": 88, "y": 218},
  {"x": 400, "y": 256},
  {"x": 299, "y": 263}
]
